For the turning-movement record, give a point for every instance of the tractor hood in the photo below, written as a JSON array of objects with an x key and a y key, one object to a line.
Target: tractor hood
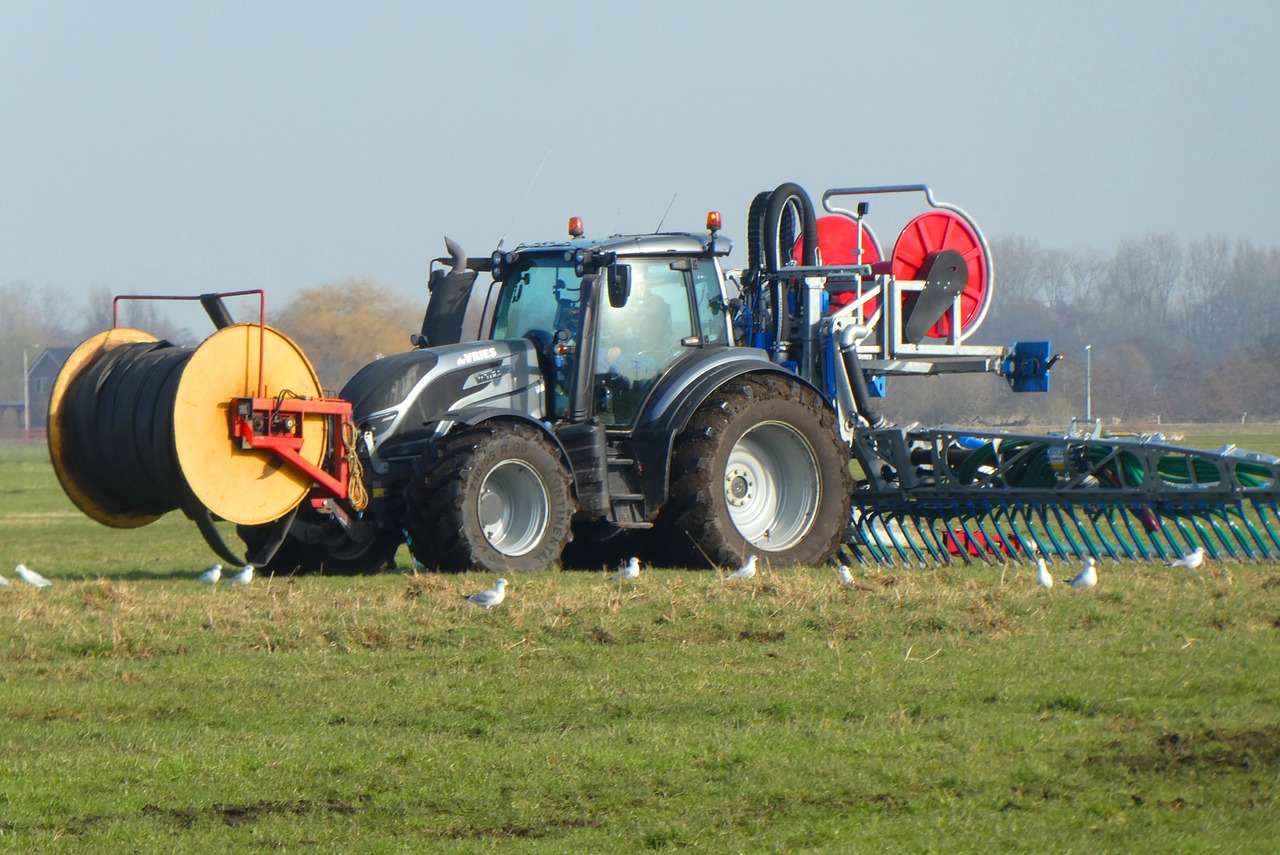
[{"x": 402, "y": 394}]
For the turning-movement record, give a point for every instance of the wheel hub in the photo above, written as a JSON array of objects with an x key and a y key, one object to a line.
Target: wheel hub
[
  {"x": 492, "y": 507},
  {"x": 739, "y": 486},
  {"x": 772, "y": 486},
  {"x": 513, "y": 507}
]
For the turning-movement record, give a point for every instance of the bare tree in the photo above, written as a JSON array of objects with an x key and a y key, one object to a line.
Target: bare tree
[
  {"x": 1018, "y": 276},
  {"x": 1072, "y": 278},
  {"x": 1143, "y": 278},
  {"x": 344, "y": 326},
  {"x": 1205, "y": 284},
  {"x": 31, "y": 319},
  {"x": 145, "y": 315}
]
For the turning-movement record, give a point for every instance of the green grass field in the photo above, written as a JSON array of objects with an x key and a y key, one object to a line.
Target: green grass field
[{"x": 956, "y": 709}]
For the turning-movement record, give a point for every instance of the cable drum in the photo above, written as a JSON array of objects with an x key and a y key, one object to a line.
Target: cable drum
[{"x": 140, "y": 427}]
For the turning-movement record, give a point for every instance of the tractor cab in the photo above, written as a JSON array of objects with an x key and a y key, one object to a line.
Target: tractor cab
[{"x": 611, "y": 317}]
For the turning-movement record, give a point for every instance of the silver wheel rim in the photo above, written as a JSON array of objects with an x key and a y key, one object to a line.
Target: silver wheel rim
[
  {"x": 772, "y": 486},
  {"x": 513, "y": 507}
]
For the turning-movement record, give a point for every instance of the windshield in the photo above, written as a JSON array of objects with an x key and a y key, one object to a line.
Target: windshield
[
  {"x": 542, "y": 299},
  {"x": 542, "y": 296}
]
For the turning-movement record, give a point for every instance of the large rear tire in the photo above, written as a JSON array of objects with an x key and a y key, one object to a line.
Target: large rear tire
[
  {"x": 495, "y": 498},
  {"x": 760, "y": 469}
]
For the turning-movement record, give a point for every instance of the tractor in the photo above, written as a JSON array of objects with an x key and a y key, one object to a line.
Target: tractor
[{"x": 632, "y": 388}]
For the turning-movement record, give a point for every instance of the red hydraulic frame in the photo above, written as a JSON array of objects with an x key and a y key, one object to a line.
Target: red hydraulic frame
[{"x": 275, "y": 424}]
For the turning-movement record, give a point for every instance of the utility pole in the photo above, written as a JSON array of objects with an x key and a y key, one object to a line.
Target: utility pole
[
  {"x": 1088, "y": 383},
  {"x": 26, "y": 396}
]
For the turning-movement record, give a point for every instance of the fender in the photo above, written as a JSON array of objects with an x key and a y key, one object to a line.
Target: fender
[
  {"x": 476, "y": 416},
  {"x": 676, "y": 398}
]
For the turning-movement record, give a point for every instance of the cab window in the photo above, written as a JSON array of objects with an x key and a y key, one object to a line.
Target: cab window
[
  {"x": 639, "y": 341},
  {"x": 713, "y": 320}
]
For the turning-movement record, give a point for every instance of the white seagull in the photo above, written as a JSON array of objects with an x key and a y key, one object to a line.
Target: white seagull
[
  {"x": 244, "y": 577},
  {"x": 1043, "y": 579},
  {"x": 846, "y": 578},
  {"x": 631, "y": 571},
  {"x": 746, "y": 571},
  {"x": 210, "y": 576},
  {"x": 1191, "y": 560},
  {"x": 490, "y": 598},
  {"x": 1088, "y": 577},
  {"x": 31, "y": 577},
  {"x": 4, "y": 583}
]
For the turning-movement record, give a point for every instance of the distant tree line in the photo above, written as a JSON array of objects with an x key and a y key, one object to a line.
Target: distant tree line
[
  {"x": 1179, "y": 331},
  {"x": 340, "y": 327}
]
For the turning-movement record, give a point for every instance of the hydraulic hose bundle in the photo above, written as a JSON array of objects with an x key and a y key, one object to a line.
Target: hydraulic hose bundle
[{"x": 779, "y": 223}]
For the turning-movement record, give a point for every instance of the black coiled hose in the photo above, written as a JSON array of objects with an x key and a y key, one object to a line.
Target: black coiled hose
[{"x": 120, "y": 429}]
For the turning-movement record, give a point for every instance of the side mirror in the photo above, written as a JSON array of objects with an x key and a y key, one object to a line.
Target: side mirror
[{"x": 619, "y": 285}]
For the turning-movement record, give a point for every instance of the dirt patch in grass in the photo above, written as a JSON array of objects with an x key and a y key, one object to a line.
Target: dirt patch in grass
[
  {"x": 762, "y": 635},
  {"x": 887, "y": 801},
  {"x": 244, "y": 814},
  {"x": 1209, "y": 751},
  {"x": 600, "y": 635},
  {"x": 521, "y": 832}
]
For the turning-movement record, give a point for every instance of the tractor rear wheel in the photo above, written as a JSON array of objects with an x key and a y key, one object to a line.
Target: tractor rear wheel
[
  {"x": 495, "y": 497},
  {"x": 760, "y": 469}
]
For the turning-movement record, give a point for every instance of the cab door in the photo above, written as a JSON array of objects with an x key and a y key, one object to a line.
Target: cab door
[{"x": 638, "y": 342}]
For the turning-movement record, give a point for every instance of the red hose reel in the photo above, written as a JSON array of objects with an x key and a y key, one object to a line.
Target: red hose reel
[{"x": 927, "y": 234}]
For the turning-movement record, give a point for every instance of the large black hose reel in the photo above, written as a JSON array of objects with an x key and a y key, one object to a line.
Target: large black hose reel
[{"x": 235, "y": 429}]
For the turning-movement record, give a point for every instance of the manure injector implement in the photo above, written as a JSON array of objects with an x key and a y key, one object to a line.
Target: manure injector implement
[{"x": 561, "y": 394}]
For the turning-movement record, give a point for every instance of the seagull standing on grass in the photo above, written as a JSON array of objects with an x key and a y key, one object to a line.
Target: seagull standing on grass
[
  {"x": 244, "y": 577},
  {"x": 846, "y": 578},
  {"x": 631, "y": 571},
  {"x": 746, "y": 571},
  {"x": 490, "y": 598},
  {"x": 1191, "y": 560},
  {"x": 31, "y": 577},
  {"x": 4, "y": 583},
  {"x": 1043, "y": 579},
  {"x": 1088, "y": 577},
  {"x": 210, "y": 576}
]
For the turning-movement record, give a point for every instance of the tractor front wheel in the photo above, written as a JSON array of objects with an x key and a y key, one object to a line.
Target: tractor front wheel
[
  {"x": 327, "y": 549},
  {"x": 495, "y": 497}
]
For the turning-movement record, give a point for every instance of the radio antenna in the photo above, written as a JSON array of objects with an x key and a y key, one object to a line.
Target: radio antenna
[
  {"x": 664, "y": 213},
  {"x": 515, "y": 213}
]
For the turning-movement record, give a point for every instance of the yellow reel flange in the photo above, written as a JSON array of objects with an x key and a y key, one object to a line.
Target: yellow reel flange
[{"x": 128, "y": 446}]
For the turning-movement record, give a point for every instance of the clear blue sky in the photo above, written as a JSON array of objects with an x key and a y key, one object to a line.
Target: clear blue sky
[{"x": 184, "y": 147}]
